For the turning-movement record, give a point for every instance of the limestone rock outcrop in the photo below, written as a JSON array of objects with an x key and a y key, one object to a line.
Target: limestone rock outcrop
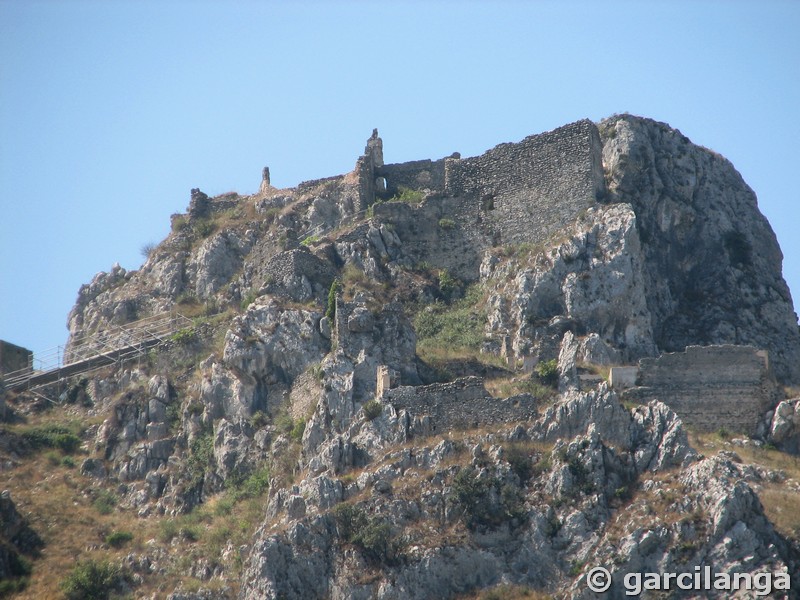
[
  {"x": 710, "y": 260},
  {"x": 370, "y": 360}
]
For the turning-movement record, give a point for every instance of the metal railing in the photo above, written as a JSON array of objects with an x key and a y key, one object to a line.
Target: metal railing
[{"x": 98, "y": 349}]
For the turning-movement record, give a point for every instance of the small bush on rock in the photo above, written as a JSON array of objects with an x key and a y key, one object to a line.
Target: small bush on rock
[
  {"x": 372, "y": 409},
  {"x": 93, "y": 580},
  {"x": 547, "y": 372}
]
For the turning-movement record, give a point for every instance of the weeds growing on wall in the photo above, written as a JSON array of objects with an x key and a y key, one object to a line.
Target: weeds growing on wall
[{"x": 407, "y": 195}]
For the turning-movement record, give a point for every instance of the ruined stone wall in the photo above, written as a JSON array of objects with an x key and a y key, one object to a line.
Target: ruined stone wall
[
  {"x": 457, "y": 247},
  {"x": 710, "y": 387},
  {"x": 461, "y": 404},
  {"x": 535, "y": 187},
  {"x": 14, "y": 358},
  {"x": 416, "y": 175},
  {"x": 300, "y": 275}
]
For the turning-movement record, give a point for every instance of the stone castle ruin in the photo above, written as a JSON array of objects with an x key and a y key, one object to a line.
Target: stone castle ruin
[
  {"x": 524, "y": 194},
  {"x": 711, "y": 387}
]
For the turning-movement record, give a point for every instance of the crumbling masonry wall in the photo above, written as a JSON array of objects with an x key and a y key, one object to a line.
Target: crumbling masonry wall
[
  {"x": 415, "y": 175},
  {"x": 14, "y": 358},
  {"x": 535, "y": 187},
  {"x": 460, "y": 404},
  {"x": 710, "y": 387},
  {"x": 299, "y": 275},
  {"x": 516, "y": 192}
]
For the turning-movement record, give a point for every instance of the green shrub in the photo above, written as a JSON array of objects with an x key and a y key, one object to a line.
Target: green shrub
[
  {"x": 407, "y": 195},
  {"x": 447, "y": 223},
  {"x": 92, "y": 580},
  {"x": 105, "y": 503},
  {"x": 580, "y": 475},
  {"x": 349, "y": 519},
  {"x": 68, "y": 462},
  {"x": 186, "y": 298},
  {"x": 475, "y": 496},
  {"x": 317, "y": 372},
  {"x": 52, "y": 436},
  {"x": 248, "y": 299},
  {"x": 448, "y": 284},
  {"x": 147, "y": 249},
  {"x": 205, "y": 227},
  {"x": 9, "y": 587},
  {"x": 118, "y": 539},
  {"x": 373, "y": 536},
  {"x": 371, "y": 209},
  {"x": 330, "y": 312},
  {"x": 543, "y": 465},
  {"x": 19, "y": 570},
  {"x": 256, "y": 484},
  {"x": 470, "y": 492},
  {"x": 376, "y": 541},
  {"x": 547, "y": 372},
  {"x": 519, "y": 459},
  {"x": 298, "y": 429},
  {"x": 201, "y": 449},
  {"x": 372, "y": 409},
  {"x": 284, "y": 422},
  {"x": 184, "y": 336},
  {"x": 259, "y": 420},
  {"x": 311, "y": 239},
  {"x": 167, "y": 530},
  {"x": 179, "y": 223},
  {"x": 452, "y": 327},
  {"x": 271, "y": 214}
]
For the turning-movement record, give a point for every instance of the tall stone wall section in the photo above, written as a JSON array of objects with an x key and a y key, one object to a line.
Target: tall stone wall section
[
  {"x": 415, "y": 175},
  {"x": 299, "y": 275},
  {"x": 457, "y": 248},
  {"x": 710, "y": 387},
  {"x": 460, "y": 404},
  {"x": 533, "y": 188},
  {"x": 14, "y": 358}
]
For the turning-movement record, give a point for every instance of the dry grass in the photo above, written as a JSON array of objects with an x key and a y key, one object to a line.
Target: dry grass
[
  {"x": 59, "y": 507},
  {"x": 503, "y": 387},
  {"x": 766, "y": 456},
  {"x": 781, "y": 503},
  {"x": 782, "y": 507},
  {"x": 74, "y": 516}
]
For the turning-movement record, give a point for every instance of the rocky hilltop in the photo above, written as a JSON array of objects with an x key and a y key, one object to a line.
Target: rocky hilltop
[{"x": 440, "y": 379}]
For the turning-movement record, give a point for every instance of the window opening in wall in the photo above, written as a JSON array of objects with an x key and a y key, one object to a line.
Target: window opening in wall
[{"x": 380, "y": 184}]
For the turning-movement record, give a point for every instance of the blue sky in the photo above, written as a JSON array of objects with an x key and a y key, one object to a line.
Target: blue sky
[{"x": 110, "y": 112}]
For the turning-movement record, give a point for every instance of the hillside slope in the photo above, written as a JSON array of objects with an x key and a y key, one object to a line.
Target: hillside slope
[{"x": 395, "y": 386}]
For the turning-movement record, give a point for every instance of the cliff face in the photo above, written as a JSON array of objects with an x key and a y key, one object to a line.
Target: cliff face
[
  {"x": 322, "y": 381},
  {"x": 712, "y": 263}
]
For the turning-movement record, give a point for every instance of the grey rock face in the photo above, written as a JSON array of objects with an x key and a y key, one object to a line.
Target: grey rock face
[
  {"x": 784, "y": 430},
  {"x": 16, "y": 537},
  {"x": 215, "y": 262},
  {"x": 694, "y": 212},
  {"x": 592, "y": 282},
  {"x": 664, "y": 249},
  {"x": 272, "y": 343}
]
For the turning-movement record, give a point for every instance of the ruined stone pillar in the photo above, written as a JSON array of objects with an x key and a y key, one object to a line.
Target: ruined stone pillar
[
  {"x": 265, "y": 184},
  {"x": 384, "y": 381}
]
